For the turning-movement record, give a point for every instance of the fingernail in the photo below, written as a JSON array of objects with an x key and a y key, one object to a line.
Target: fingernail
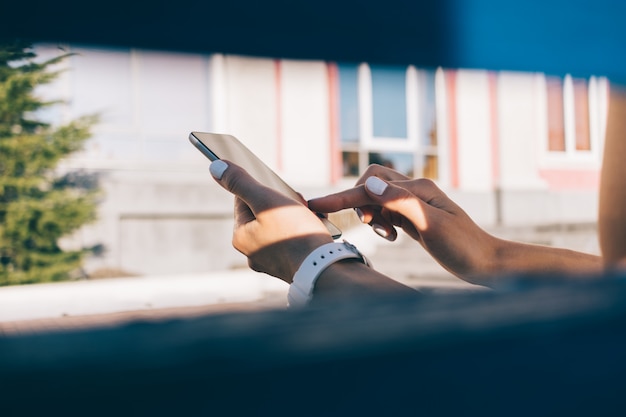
[
  {"x": 380, "y": 231},
  {"x": 217, "y": 168},
  {"x": 359, "y": 213},
  {"x": 376, "y": 185}
]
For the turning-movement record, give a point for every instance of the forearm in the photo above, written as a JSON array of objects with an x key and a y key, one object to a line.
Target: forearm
[
  {"x": 352, "y": 278},
  {"x": 515, "y": 257}
]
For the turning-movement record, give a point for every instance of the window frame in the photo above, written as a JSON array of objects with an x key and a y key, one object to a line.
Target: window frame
[
  {"x": 597, "y": 102},
  {"x": 367, "y": 143}
]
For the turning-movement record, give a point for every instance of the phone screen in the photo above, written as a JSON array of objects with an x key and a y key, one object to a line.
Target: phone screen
[{"x": 220, "y": 146}]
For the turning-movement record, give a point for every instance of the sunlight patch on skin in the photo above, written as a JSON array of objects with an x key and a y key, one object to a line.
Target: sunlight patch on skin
[{"x": 294, "y": 221}]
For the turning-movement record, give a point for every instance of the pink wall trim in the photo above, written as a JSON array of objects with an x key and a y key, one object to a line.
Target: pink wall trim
[
  {"x": 452, "y": 128},
  {"x": 571, "y": 179},
  {"x": 334, "y": 123},
  {"x": 495, "y": 133},
  {"x": 279, "y": 115}
]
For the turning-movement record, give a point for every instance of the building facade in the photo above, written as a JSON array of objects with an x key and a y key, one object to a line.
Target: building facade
[{"x": 511, "y": 148}]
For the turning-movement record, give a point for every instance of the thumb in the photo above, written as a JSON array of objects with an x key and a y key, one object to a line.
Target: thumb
[
  {"x": 240, "y": 183},
  {"x": 399, "y": 200}
]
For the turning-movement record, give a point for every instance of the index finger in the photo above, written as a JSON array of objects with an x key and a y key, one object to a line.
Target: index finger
[{"x": 351, "y": 198}]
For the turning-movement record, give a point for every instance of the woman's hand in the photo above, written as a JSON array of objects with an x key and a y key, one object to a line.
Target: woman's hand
[
  {"x": 274, "y": 231},
  {"x": 386, "y": 199}
]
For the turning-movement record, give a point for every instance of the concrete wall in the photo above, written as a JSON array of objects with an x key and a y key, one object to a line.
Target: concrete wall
[
  {"x": 548, "y": 207},
  {"x": 304, "y": 123},
  {"x": 160, "y": 223},
  {"x": 474, "y": 131},
  {"x": 521, "y": 125},
  {"x": 248, "y": 96}
]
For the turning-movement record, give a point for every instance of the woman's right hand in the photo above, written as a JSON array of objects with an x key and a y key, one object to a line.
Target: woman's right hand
[{"x": 386, "y": 199}]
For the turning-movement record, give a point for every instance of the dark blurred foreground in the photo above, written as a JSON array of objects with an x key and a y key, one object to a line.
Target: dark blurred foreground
[
  {"x": 525, "y": 349},
  {"x": 580, "y": 37}
]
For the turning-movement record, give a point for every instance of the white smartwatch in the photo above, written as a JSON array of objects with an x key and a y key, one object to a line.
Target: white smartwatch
[{"x": 301, "y": 289}]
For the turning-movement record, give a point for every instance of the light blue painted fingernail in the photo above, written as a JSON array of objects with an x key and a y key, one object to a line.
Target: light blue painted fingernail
[
  {"x": 376, "y": 185},
  {"x": 359, "y": 213},
  {"x": 217, "y": 168}
]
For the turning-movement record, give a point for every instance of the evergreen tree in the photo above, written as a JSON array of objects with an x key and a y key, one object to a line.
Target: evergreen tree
[{"x": 37, "y": 206}]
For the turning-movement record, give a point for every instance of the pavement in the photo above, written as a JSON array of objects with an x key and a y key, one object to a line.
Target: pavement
[{"x": 110, "y": 302}]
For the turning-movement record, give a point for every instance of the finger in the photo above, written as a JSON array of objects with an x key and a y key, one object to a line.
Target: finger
[
  {"x": 381, "y": 224},
  {"x": 427, "y": 191},
  {"x": 380, "y": 171},
  {"x": 383, "y": 227},
  {"x": 302, "y": 199},
  {"x": 360, "y": 200},
  {"x": 367, "y": 213},
  {"x": 243, "y": 214},
  {"x": 355, "y": 197},
  {"x": 351, "y": 198},
  {"x": 399, "y": 200},
  {"x": 236, "y": 180}
]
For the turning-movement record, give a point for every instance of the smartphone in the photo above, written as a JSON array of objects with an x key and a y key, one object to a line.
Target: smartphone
[{"x": 217, "y": 146}]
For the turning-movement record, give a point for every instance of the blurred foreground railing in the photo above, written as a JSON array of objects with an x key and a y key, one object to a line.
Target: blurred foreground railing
[{"x": 524, "y": 349}]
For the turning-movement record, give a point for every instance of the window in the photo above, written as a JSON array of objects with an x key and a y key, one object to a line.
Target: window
[
  {"x": 581, "y": 115},
  {"x": 429, "y": 159},
  {"x": 389, "y": 102},
  {"x": 388, "y": 117},
  {"x": 349, "y": 103},
  {"x": 556, "y": 122},
  {"x": 570, "y": 110}
]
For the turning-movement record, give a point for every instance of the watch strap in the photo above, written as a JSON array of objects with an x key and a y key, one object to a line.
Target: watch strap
[{"x": 301, "y": 289}]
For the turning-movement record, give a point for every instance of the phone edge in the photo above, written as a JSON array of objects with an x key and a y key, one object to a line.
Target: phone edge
[{"x": 202, "y": 148}]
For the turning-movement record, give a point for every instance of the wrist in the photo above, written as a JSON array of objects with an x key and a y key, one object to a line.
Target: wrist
[
  {"x": 492, "y": 258},
  {"x": 486, "y": 259},
  {"x": 315, "y": 264},
  {"x": 352, "y": 279},
  {"x": 299, "y": 252},
  {"x": 338, "y": 278}
]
